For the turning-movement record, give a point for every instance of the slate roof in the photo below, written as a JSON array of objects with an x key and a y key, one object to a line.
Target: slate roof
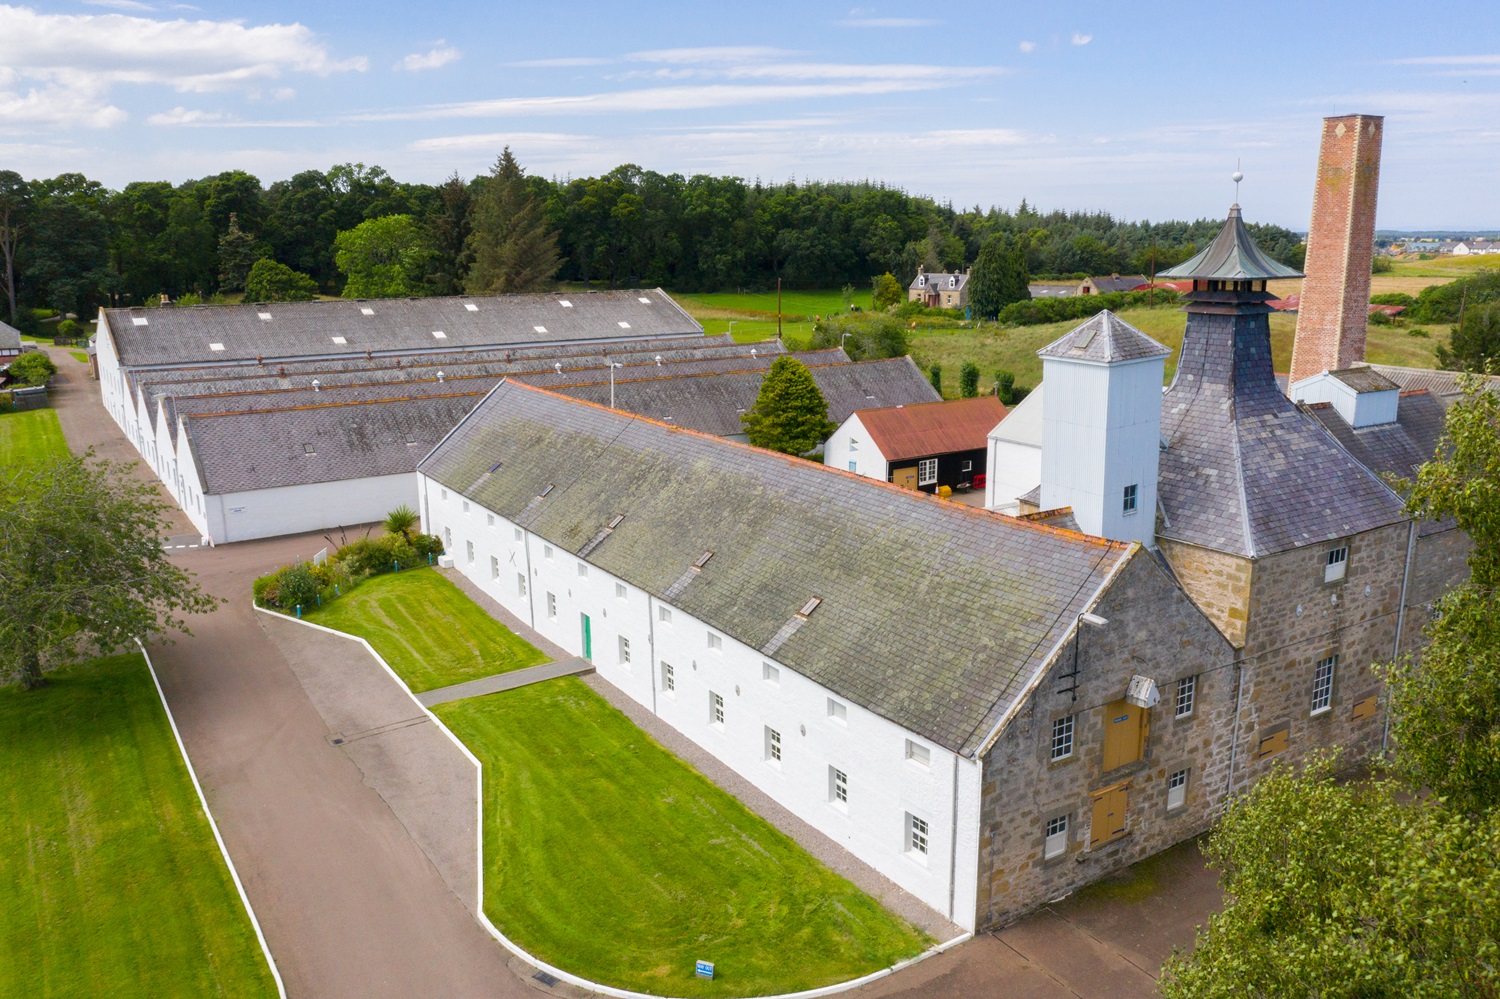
[
  {"x": 1398, "y": 448},
  {"x": 938, "y": 280},
  {"x": 929, "y": 428},
  {"x": 1105, "y": 338},
  {"x": 245, "y": 451},
  {"x": 175, "y": 336},
  {"x": 1232, "y": 256},
  {"x": 1364, "y": 379},
  {"x": 1441, "y": 384},
  {"x": 10, "y": 337},
  {"x": 1245, "y": 471},
  {"x": 712, "y": 403},
  {"x": 934, "y": 615}
]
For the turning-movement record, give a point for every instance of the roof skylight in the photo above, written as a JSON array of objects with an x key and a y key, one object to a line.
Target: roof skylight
[
  {"x": 643, "y": 300},
  {"x": 565, "y": 303},
  {"x": 471, "y": 306},
  {"x": 216, "y": 346},
  {"x": 365, "y": 310},
  {"x": 624, "y": 325},
  {"x": 265, "y": 316},
  {"x": 540, "y": 329},
  {"x": 439, "y": 335},
  {"x": 340, "y": 339}
]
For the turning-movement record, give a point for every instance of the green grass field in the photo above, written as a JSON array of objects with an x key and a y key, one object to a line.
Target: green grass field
[
  {"x": 81, "y": 356},
  {"x": 33, "y": 435},
  {"x": 427, "y": 629},
  {"x": 110, "y": 879},
  {"x": 608, "y": 856}
]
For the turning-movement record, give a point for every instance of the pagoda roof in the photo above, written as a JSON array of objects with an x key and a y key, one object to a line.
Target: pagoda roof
[{"x": 1232, "y": 256}]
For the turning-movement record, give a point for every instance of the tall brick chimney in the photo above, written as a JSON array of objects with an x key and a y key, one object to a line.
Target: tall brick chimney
[{"x": 1334, "y": 309}]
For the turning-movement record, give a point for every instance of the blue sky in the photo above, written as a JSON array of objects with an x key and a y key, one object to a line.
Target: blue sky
[{"x": 1142, "y": 112}]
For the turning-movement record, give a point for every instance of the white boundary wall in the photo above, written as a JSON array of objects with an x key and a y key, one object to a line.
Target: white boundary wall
[{"x": 552, "y": 590}]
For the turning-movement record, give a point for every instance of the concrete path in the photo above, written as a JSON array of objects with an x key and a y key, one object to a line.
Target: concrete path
[{"x": 506, "y": 681}]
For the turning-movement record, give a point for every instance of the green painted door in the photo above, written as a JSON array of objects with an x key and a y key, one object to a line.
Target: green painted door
[{"x": 588, "y": 638}]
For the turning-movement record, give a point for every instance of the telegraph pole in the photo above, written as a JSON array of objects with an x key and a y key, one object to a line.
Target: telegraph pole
[{"x": 778, "y": 308}]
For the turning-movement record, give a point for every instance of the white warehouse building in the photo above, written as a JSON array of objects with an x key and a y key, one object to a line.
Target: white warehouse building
[{"x": 859, "y": 652}]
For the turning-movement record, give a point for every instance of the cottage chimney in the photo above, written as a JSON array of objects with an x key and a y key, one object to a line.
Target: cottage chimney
[{"x": 1334, "y": 310}]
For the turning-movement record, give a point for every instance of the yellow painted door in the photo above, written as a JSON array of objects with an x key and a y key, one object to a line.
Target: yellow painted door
[
  {"x": 1124, "y": 734},
  {"x": 906, "y": 478},
  {"x": 1110, "y": 806}
]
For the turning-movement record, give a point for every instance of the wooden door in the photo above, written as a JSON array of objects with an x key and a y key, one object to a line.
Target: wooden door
[
  {"x": 1110, "y": 807},
  {"x": 1124, "y": 734},
  {"x": 906, "y": 478}
]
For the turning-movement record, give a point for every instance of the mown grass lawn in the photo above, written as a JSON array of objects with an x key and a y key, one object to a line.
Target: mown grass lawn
[
  {"x": 110, "y": 881},
  {"x": 607, "y": 856},
  {"x": 429, "y": 631},
  {"x": 30, "y": 436}
]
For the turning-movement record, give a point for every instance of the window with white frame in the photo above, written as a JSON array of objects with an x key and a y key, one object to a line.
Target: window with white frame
[
  {"x": 447, "y": 538},
  {"x": 715, "y": 709},
  {"x": 442, "y": 494},
  {"x": 494, "y": 567},
  {"x": 552, "y": 606},
  {"x": 927, "y": 471},
  {"x": 770, "y": 674},
  {"x": 773, "y": 746},
  {"x": 918, "y": 753},
  {"x": 1056, "y": 843},
  {"x": 1062, "y": 738},
  {"x": 1336, "y": 563},
  {"x": 469, "y": 551},
  {"x": 838, "y": 711},
  {"x": 583, "y": 570},
  {"x": 466, "y": 506},
  {"x": 489, "y": 520},
  {"x": 520, "y": 584},
  {"x": 668, "y": 677},
  {"x": 519, "y": 534},
  {"x": 854, "y": 467},
  {"x": 838, "y": 787},
  {"x": 1322, "y": 696},
  {"x": 547, "y": 552},
  {"x": 1187, "y": 693},
  {"x": 714, "y": 641},
  {"x": 664, "y": 614},
  {"x": 624, "y": 651},
  {"x": 621, "y": 592},
  {"x": 1128, "y": 505},
  {"x": 917, "y": 833},
  {"x": 1177, "y": 789}
]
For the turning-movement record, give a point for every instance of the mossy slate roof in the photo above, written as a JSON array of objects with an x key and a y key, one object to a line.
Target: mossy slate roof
[{"x": 933, "y": 615}]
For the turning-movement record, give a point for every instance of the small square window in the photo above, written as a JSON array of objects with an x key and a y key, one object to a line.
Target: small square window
[
  {"x": 1062, "y": 738},
  {"x": 1323, "y": 684},
  {"x": 770, "y": 674},
  {"x": 547, "y": 551},
  {"x": 442, "y": 494},
  {"x": 489, "y": 520},
  {"x": 715, "y": 641},
  {"x": 1336, "y": 564},
  {"x": 552, "y": 606},
  {"x": 773, "y": 746},
  {"x": 1187, "y": 692},
  {"x": 917, "y": 833},
  {"x": 518, "y": 534},
  {"x": 927, "y": 471},
  {"x": 1130, "y": 498},
  {"x": 664, "y": 614},
  {"x": 838, "y": 787},
  {"x": 520, "y": 584},
  {"x": 1177, "y": 789},
  {"x": 918, "y": 753},
  {"x": 469, "y": 551},
  {"x": 583, "y": 571},
  {"x": 668, "y": 678},
  {"x": 466, "y": 506},
  {"x": 620, "y": 592},
  {"x": 494, "y": 567},
  {"x": 968, "y": 466},
  {"x": 854, "y": 467},
  {"x": 1056, "y": 843},
  {"x": 838, "y": 711},
  {"x": 624, "y": 651},
  {"x": 715, "y": 709}
]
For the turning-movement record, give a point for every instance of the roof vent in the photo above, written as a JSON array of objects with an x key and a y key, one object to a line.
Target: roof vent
[
  {"x": 139, "y": 320},
  {"x": 308, "y": 449},
  {"x": 624, "y": 325},
  {"x": 540, "y": 329},
  {"x": 340, "y": 340},
  {"x": 366, "y": 310},
  {"x": 411, "y": 438},
  {"x": 703, "y": 559},
  {"x": 216, "y": 346},
  {"x": 439, "y": 335},
  {"x": 565, "y": 303},
  {"x": 809, "y": 607},
  {"x": 544, "y": 492},
  {"x": 471, "y": 306}
]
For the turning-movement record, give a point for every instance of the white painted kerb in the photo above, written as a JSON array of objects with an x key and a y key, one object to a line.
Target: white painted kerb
[{"x": 515, "y": 948}]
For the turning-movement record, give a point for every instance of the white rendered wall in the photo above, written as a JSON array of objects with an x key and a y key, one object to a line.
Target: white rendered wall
[
  {"x": 268, "y": 513},
  {"x": 1358, "y": 409},
  {"x": 884, "y": 786},
  {"x": 850, "y": 448},
  {"x": 1013, "y": 470},
  {"x": 1101, "y": 431}
]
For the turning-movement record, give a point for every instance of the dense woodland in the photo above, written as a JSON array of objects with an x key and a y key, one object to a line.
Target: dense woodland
[{"x": 69, "y": 243}]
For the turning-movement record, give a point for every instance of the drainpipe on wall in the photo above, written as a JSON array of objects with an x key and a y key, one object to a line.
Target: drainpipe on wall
[
  {"x": 530, "y": 579},
  {"x": 1234, "y": 739},
  {"x": 953, "y": 843},
  {"x": 1411, "y": 553},
  {"x": 651, "y": 642}
]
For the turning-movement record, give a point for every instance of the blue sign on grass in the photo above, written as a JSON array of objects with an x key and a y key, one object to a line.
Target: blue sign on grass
[{"x": 705, "y": 969}]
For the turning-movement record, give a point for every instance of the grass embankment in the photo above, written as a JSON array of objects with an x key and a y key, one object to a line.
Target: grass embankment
[
  {"x": 110, "y": 879},
  {"x": 427, "y": 629},
  {"x": 608, "y": 856},
  {"x": 30, "y": 436},
  {"x": 605, "y": 854}
]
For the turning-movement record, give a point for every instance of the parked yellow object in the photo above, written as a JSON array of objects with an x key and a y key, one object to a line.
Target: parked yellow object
[{"x": 946, "y": 492}]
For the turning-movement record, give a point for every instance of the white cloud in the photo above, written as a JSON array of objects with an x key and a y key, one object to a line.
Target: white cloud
[
  {"x": 1449, "y": 60},
  {"x": 1081, "y": 39},
  {"x": 182, "y": 116},
  {"x": 438, "y": 56},
  {"x": 889, "y": 22},
  {"x": 1027, "y": 46},
  {"x": 499, "y": 140},
  {"x": 716, "y": 54},
  {"x": 71, "y": 62},
  {"x": 565, "y": 62}
]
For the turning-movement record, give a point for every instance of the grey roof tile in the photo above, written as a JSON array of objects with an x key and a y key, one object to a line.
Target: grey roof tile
[
  {"x": 1104, "y": 337},
  {"x": 1232, "y": 256}
]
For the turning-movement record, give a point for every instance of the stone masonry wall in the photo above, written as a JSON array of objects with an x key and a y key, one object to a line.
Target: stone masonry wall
[
  {"x": 1441, "y": 563},
  {"x": 1217, "y": 582},
  {"x": 1333, "y": 313},
  {"x": 1153, "y": 630}
]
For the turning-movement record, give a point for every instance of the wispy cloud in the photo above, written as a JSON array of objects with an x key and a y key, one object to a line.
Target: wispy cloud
[
  {"x": 889, "y": 22},
  {"x": 550, "y": 141},
  {"x": 1449, "y": 60},
  {"x": 1027, "y": 46},
  {"x": 181, "y": 117},
  {"x": 715, "y": 54},
  {"x": 1081, "y": 39},
  {"x": 438, "y": 56},
  {"x": 565, "y": 62},
  {"x": 137, "y": 7}
]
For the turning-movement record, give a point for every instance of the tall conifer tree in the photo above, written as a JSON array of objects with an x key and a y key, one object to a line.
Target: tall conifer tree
[{"x": 512, "y": 246}]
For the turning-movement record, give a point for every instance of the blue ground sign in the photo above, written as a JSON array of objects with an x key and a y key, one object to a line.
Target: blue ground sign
[{"x": 705, "y": 969}]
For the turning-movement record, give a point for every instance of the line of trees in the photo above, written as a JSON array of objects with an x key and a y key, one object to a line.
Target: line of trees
[{"x": 70, "y": 244}]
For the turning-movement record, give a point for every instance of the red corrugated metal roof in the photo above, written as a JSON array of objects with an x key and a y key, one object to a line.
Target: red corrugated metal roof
[{"x": 929, "y": 428}]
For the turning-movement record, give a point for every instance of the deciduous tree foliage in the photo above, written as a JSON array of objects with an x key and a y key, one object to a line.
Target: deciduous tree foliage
[
  {"x": 871, "y": 335},
  {"x": 512, "y": 244},
  {"x": 82, "y": 568},
  {"x": 885, "y": 291},
  {"x": 790, "y": 414},
  {"x": 34, "y": 368},
  {"x": 383, "y": 258},
  {"x": 270, "y": 281}
]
